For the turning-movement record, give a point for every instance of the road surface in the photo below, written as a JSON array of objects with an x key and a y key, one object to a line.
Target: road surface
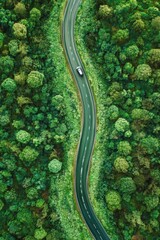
[{"x": 89, "y": 124}]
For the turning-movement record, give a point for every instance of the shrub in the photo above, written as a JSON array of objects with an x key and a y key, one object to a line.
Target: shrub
[
  {"x": 9, "y": 85},
  {"x": 35, "y": 79}
]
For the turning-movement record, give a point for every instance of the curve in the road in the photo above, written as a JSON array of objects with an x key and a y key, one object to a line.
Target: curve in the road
[{"x": 88, "y": 131}]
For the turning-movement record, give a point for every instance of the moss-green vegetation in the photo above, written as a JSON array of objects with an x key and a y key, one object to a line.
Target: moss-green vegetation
[
  {"x": 39, "y": 126},
  {"x": 120, "y": 39}
]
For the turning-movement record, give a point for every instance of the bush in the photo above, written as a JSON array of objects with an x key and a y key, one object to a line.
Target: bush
[
  {"x": 23, "y": 136},
  {"x": 9, "y": 85},
  {"x": 54, "y": 166},
  {"x": 35, "y": 79}
]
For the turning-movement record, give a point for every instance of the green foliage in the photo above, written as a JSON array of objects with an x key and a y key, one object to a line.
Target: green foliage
[
  {"x": 28, "y": 154},
  {"x": 113, "y": 201},
  {"x": 141, "y": 114},
  {"x": 35, "y": 15},
  {"x": 154, "y": 57},
  {"x": 113, "y": 112},
  {"x": 127, "y": 65},
  {"x": 105, "y": 11},
  {"x": 124, "y": 148},
  {"x": 121, "y": 125},
  {"x": 121, "y": 36},
  {"x": 40, "y": 233},
  {"x": 150, "y": 144},
  {"x": 121, "y": 165},
  {"x": 1, "y": 39},
  {"x": 35, "y": 79},
  {"x": 54, "y": 166},
  {"x": 9, "y": 85},
  {"x": 19, "y": 31},
  {"x": 151, "y": 202},
  {"x": 6, "y": 64},
  {"x": 20, "y": 9},
  {"x": 132, "y": 52},
  {"x": 143, "y": 72},
  {"x": 139, "y": 25},
  {"x": 127, "y": 185},
  {"x": 156, "y": 23},
  {"x": 23, "y": 136},
  {"x": 1, "y": 204},
  {"x": 13, "y": 47}
]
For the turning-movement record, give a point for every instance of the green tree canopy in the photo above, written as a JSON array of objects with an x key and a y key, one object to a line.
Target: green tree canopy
[
  {"x": 35, "y": 79},
  {"x": 19, "y": 31},
  {"x": 23, "y": 136},
  {"x": 121, "y": 165},
  {"x": 54, "y": 166},
  {"x": 28, "y": 154},
  {"x": 9, "y": 85},
  {"x": 143, "y": 72},
  {"x": 113, "y": 200}
]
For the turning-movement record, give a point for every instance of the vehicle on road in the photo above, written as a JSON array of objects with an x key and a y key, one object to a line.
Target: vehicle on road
[{"x": 79, "y": 70}]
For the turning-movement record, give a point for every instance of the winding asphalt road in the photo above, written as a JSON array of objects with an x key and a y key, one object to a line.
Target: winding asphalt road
[{"x": 89, "y": 124}]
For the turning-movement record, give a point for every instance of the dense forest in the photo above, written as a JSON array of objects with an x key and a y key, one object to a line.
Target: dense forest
[
  {"x": 123, "y": 41},
  {"x": 40, "y": 120},
  {"x": 33, "y": 123}
]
